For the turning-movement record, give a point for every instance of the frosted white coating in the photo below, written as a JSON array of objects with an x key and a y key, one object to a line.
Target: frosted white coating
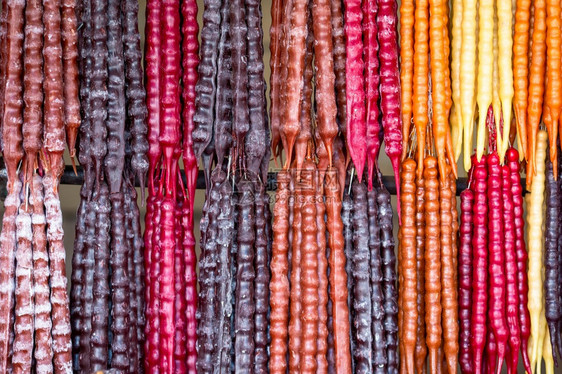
[
  {"x": 43, "y": 308},
  {"x": 38, "y": 219},
  {"x": 23, "y": 224}
]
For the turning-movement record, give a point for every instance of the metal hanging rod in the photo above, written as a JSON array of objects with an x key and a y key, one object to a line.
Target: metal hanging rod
[{"x": 71, "y": 178}]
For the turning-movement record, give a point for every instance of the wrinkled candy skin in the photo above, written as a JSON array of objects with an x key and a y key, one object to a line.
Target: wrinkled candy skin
[{"x": 362, "y": 350}]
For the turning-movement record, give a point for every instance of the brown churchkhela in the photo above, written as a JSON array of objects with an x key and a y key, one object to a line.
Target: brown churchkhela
[
  {"x": 308, "y": 205},
  {"x": 304, "y": 135},
  {"x": 33, "y": 82},
  {"x": 54, "y": 144},
  {"x": 279, "y": 285},
  {"x": 70, "y": 68},
  {"x": 8, "y": 239},
  {"x": 338, "y": 276},
  {"x": 43, "y": 341},
  {"x": 24, "y": 321},
  {"x": 35, "y": 318},
  {"x": 295, "y": 329},
  {"x": 323, "y": 333},
  {"x": 325, "y": 77},
  {"x": 275, "y": 35},
  {"x": 309, "y": 271},
  {"x": 295, "y": 67}
]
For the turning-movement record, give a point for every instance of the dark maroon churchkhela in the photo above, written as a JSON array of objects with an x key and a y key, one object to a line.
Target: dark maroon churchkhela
[
  {"x": 205, "y": 90},
  {"x": 207, "y": 321},
  {"x": 102, "y": 226},
  {"x": 98, "y": 87},
  {"x": 256, "y": 142},
  {"x": 135, "y": 92},
  {"x": 109, "y": 335},
  {"x": 261, "y": 295},
  {"x": 389, "y": 278},
  {"x": 240, "y": 111},
  {"x": 223, "y": 107},
  {"x": 347, "y": 209},
  {"x": 225, "y": 296},
  {"x": 245, "y": 275},
  {"x": 363, "y": 338},
  {"x": 377, "y": 286}
]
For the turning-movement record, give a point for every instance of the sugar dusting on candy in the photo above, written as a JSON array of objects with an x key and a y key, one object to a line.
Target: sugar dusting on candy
[
  {"x": 43, "y": 352},
  {"x": 59, "y": 298},
  {"x": 7, "y": 257},
  {"x": 309, "y": 271},
  {"x": 23, "y": 342}
]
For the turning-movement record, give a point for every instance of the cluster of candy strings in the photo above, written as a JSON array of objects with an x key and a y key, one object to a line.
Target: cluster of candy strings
[
  {"x": 171, "y": 59},
  {"x": 39, "y": 96},
  {"x": 107, "y": 293},
  {"x": 232, "y": 137}
]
